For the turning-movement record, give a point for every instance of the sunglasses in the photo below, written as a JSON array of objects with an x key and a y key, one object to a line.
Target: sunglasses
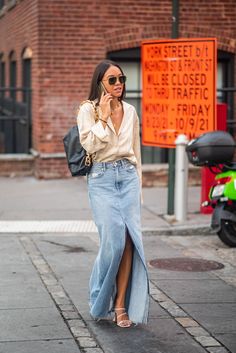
[{"x": 113, "y": 79}]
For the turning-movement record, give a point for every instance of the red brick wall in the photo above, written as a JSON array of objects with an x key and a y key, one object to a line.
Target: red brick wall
[
  {"x": 69, "y": 37},
  {"x": 11, "y": 167},
  {"x": 51, "y": 168},
  {"x": 216, "y": 14}
]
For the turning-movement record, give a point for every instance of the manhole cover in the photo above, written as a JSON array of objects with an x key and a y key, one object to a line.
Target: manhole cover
[{"x": 185, "y": 264}]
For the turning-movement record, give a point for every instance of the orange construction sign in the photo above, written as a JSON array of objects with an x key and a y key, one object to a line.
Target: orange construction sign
[{"x": 179, "y": 89}]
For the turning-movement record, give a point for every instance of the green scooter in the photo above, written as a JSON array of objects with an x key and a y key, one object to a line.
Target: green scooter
[{"x": 216, "y": 150}]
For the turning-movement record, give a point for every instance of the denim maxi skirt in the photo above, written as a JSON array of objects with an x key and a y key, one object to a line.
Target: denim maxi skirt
[{"x": 114, "y": 195}]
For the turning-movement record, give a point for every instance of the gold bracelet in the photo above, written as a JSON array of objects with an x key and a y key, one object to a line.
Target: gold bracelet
[{"x": 103, "y": 121}]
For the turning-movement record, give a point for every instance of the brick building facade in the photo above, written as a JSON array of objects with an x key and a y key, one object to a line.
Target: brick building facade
[{"x": 53, "y": 46}]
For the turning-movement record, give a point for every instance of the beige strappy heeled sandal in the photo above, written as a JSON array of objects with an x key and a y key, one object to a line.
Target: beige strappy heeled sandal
[{"x": 121, "y": 323}]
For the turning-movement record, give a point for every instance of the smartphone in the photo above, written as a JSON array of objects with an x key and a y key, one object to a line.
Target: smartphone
[{"x": 102, "y": 89}]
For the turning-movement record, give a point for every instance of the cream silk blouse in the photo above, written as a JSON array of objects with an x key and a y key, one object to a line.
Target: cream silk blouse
[{"x": 107, "y": 145}]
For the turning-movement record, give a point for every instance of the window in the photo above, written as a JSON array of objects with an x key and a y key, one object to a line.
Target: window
[
  {"x": 2, "y": 74},
  {"x": 225, "y": 79},
  {"x": 2, "y": 79},
  {"x": 12, "y": 75},
  {"x": 220, "y": 81},
  {"x": 26, "y": 83},
  {"x": 2, "y": 94},
  {"x": 2, "y": 71},
  {"x": 1, "y": 4},
  {"x": 26, "y": 72}
]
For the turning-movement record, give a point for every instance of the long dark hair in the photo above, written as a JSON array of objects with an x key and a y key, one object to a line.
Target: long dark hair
[{"x": 98, "y": 74}]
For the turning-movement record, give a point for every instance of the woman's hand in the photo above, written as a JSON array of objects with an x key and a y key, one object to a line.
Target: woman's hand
[{"x": 105, "y": 105}]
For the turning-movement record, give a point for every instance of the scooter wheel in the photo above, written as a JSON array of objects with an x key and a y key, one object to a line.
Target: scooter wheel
[{"x": 228, "y": 233}]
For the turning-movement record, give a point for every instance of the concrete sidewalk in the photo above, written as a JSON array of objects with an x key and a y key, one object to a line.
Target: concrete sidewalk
[
  {"x": 44, "y": 297},
  {"x": 25, "y": 199}
]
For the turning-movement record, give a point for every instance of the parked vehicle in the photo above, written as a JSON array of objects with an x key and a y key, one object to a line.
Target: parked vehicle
[{"x": 215, "y": 150}]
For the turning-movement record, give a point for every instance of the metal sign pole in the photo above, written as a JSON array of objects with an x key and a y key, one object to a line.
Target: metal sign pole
[{"x": 171, "y": 152}]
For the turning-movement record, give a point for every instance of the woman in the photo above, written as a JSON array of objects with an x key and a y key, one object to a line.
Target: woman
[{"x": 119, "y": 279}]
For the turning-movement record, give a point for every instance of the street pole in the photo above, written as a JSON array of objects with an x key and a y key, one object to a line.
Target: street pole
[
  {"x": 181, "y": 179},
  {"x": 171, "y": 151}
]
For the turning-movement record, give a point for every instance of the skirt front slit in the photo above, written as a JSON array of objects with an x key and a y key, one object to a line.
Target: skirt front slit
[{"x": 114, "y": 194}]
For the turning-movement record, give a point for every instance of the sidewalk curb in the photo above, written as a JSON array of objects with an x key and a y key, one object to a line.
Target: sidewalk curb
[{"x": 179, "y": 230}]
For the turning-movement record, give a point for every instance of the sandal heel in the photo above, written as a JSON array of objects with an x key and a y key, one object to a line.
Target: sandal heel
[{"x": 122, "y": 323}]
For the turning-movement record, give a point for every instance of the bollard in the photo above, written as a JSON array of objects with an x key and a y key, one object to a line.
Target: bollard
[{"x": 181, "y": 179}]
